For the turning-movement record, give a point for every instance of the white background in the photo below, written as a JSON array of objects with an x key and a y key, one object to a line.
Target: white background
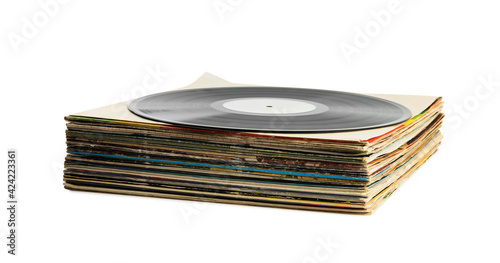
[{"x": 87, "y": 54}]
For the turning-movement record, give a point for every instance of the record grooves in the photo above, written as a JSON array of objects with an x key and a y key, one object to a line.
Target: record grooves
[{"x": 270, "y": 109}]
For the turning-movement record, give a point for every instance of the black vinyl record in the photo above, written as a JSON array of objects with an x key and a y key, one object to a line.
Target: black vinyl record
[{"x": 270, "y": 109}]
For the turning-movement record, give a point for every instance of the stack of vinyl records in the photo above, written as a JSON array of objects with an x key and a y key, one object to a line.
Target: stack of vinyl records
[{"x": 222, "y": 142}]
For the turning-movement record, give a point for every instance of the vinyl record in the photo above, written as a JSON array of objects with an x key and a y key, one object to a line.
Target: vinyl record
[{"x": 270, "y": 109}]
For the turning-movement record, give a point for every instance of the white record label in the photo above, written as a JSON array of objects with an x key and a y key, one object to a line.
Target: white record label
[{"x": 270, "y": 106}]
